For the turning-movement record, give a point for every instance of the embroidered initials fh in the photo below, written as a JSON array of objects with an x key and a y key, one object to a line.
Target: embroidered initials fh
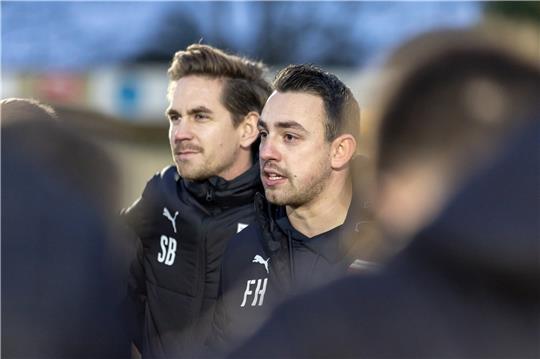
[
  {"x": 258, "y": 294},
  {"x": 167, "y": 214},
  {"x": 168, "y": 250}
]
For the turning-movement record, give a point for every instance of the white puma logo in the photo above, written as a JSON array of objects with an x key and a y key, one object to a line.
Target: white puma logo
[
  {"x": 260, "y": 260},
  {"x": 167, "y": 214}
]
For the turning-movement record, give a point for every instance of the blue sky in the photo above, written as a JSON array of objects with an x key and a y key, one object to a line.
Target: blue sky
[{"x": 39, "y": 36}]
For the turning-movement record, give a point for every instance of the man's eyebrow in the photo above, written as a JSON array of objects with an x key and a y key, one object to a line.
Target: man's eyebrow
[
  {"x": 199, "y": 109},
  {"x": 171, "y": 112},
  {"x": 283, "y": 124},
  {"x": 290, "y": 124}
]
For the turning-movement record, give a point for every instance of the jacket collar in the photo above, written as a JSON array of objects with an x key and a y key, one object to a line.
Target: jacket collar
[
  {"x": 334, "y": 245},
  {"x": 218, "y": 192},
  {"x": 325, "y": 244}
]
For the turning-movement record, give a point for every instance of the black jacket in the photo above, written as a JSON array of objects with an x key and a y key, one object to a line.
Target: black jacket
[
  {"x": 183, "y": 227},
  {"x": 467, "y": 287},
  {"x": 271, "y": 261}
]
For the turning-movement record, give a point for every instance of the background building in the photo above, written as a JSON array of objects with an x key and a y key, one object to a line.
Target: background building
[{"x": 103, "y": 64}]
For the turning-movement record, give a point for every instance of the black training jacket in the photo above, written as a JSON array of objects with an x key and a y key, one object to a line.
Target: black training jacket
[
  {"x": 269, "y": 261},
  {"x": 182, "y": 227}
]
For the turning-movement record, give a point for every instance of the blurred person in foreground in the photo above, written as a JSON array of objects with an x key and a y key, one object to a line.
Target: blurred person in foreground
[
  {"x": 187, "y": 212},
  {"x": 62, "y": 270},
  {"x": 468, "y": 285},
  {"x": 309, "y": 129}
]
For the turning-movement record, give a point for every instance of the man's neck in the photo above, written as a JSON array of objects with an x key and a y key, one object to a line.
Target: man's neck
[
  {"x": 240, "y": 166},
  {"x": 325, "y": 212}
]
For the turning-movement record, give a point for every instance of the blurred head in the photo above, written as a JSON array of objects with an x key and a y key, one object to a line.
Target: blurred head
[
  {"x": 444, "y": 116},
  {"x": 62, "y": 263},
  {"x": 36, "y": 130},
  {"x": 308, "y": 135},
  {"x": 15, "y": 110},
  {"x": 214, "y": 104}
]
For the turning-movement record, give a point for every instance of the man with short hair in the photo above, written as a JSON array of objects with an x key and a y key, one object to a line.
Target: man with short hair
[
  {"x": 308, "y": 129},
  {"x": 457, "y": 166},
  {"x": 187, "y": 213}
]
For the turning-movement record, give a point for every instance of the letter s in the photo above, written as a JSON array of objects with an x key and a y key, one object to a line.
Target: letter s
[{"x": 161, "y": 256}]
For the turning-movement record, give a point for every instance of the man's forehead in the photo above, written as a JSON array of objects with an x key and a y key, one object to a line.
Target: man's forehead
[
  {"x": 301, "y": 107},
  {"x": 196, "y": 82},
  {"x": 195, "y": 91}
]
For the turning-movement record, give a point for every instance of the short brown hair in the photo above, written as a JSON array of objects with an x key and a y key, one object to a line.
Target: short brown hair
[
  {"x": 245, "y": 88},
  {"x": 342, "y": 110},
  {"x": 454, "y": 103}
]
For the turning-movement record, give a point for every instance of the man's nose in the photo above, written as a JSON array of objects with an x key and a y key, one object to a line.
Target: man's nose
[
  {"x": 268, "y": 150},
  {"x": 182, "y": 131}
]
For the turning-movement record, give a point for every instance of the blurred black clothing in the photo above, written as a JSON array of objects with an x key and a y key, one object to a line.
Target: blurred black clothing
[
  {"x": 467, "y": 287},
  {"x": 183, "y": 227},
  {"x": 60, "y": 278}
]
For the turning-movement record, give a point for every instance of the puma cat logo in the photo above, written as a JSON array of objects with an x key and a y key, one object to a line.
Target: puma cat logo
[
  {"x": 261, "y": 260},
  {"x": 167, "y": 214}
]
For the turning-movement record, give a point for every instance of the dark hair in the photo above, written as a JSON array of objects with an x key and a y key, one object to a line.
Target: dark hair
[
  {"x": 52, "y": 144},
  {"x": 22, "y": 109},
  {"x": 245, "y": 88},
  {"x": 455, "y": 104},
  {"x": 342, "y": 110}
]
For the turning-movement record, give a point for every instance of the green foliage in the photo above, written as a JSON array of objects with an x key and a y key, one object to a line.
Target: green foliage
[{"x": 524, "y": 10}]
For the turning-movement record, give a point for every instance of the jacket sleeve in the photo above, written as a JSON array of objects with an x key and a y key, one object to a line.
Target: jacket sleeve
[
  {"x": 135, "y": 300},
  {"x": 136, "y": 297},
  {"x": 140, "y": 220}
]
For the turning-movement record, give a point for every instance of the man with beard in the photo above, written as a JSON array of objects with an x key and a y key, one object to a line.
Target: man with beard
[
  {"x": 187, "y": 212},
  {"x": 457, "y": 168},
  {"x": 308, "y": 129}
]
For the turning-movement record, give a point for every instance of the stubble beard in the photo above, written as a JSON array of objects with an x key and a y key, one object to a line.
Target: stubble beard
[
  {"x": 203, "y": 169},
  {"x": 188, "y": 172},
  {"x": 298, "y": 195},
  {"x": 191, "y": 171}
]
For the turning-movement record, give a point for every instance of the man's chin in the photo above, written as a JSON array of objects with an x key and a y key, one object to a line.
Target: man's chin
[
  {"x": 191, "y": 174},
  {"x": 275, "y": 198}
]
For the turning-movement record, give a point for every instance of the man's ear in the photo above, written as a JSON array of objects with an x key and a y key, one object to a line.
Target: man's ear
[
  {"x": 248, "y": 129},
  {"x": 343, "y": 149}
]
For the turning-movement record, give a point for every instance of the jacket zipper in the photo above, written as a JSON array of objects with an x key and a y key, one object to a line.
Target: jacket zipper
[
  {"x": 291, "y": 257},
  {"x": 210, "y": 195}
]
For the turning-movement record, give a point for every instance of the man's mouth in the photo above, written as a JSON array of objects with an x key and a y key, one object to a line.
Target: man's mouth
[
  {"x": 186, "y": 152},
  {"x": 185, "y": 155},
  {"x": 271, "y": 178}
]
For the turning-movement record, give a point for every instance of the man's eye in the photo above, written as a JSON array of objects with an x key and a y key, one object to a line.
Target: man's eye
[
  {"x": 200, "y": 116},
  {"x": 263, "y": 133},
  {"x": 289, "y": 138},
  {"x": 173, "y": 118}
]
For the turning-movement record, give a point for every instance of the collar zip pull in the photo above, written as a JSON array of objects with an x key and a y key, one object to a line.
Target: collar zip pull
[{"x": 210, "y": 195}]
